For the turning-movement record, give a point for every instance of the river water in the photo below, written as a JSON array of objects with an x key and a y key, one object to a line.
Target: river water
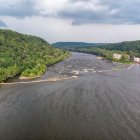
[{"x": 102, "y": 103}]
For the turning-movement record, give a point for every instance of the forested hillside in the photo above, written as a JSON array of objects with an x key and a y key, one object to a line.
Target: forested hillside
[
  {"x": 73, "y": 45},
  {"x": 26, "y": 55},
  {"x": 131, "y": 48}
]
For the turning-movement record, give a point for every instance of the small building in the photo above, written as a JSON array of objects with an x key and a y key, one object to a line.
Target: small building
[
  {"x": 137, "y": 59},
  {"x": 100, "y": 58},
  {"x": 117, "y": 56}
]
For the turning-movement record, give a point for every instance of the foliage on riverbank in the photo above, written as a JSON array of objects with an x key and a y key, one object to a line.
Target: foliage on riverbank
[
  {"x": 26, "y": 55},
  {"x": 106, "y": 54},
  {"x": 132, "y": 48},
  {"x": 129, "y": 48}
]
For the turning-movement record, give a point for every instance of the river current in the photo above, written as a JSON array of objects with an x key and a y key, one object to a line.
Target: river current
[{"x": 101, "y": 103}]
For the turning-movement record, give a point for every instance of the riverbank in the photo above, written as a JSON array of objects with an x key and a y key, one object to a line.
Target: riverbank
[
  {"x": 28, "y": 56},
  {"x": 40, "y": 81},
  {"x": 73, "y": 66},
  {"x": 21, "y": 78},
  {"x": 108, "y": 56},
  {"x": 28, "y": 78}
]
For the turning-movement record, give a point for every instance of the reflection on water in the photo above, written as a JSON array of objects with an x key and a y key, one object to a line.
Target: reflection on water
[{"x": 95, "y": 106}]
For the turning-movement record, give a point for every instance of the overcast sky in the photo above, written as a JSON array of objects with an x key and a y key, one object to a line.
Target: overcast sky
[{"x": 73, "y": 20}]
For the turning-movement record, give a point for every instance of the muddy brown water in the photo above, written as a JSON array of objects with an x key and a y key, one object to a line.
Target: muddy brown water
[{"x": 98, "y": 105}]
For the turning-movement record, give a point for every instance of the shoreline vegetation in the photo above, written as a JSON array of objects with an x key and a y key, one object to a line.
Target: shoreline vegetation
[
  {"x": 26, "y": 55},
  {"x": 109, "y": 56},
  {"x": 127, "y": 49},
  {"x": 28, "y": 78}
]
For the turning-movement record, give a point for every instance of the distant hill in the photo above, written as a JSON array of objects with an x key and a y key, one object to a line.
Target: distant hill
[
  {"x": 26, "y": 55},
  {"x": 130, "y": 47},
  {"x": 126, "y": 48},
  {"x": 74, "y": 44}
]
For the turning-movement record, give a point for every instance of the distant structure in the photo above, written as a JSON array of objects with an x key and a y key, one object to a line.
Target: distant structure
[
  {"x": 137, "y": 60},
  {"x": 100, "y": 58},
  {"x": 117, "y": 56}
]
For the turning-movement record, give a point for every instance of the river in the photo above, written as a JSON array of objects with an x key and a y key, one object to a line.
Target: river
[{"x": 102, "y": 103}]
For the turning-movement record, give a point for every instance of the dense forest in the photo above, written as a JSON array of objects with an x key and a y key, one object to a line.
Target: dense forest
[
  {"x": 73, "y": 45},
  {"x": 26, "y": 55},
  {"x": 106, "y": 54},
  {"x": 128, "y": 48}
]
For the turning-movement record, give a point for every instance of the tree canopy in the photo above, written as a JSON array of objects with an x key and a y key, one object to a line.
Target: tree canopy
[
  {"x": 131, "y": 48},
  {"x": 26, "y": 55}
]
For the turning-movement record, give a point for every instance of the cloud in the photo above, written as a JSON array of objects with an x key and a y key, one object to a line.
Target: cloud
[
  {"x": 2, "y": 24},
  {"x": 79, "y": 11},
  {"x": 17, "y": 8},
  {"x": 102, "y": 11}
]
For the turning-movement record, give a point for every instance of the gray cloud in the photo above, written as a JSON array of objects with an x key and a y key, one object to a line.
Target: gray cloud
[
  {"x": 17, "y": 8},
  {"x": 107, "y": 12},
  {"x": 79, "y": 11},
  {"x": 2, "y": 24}
]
